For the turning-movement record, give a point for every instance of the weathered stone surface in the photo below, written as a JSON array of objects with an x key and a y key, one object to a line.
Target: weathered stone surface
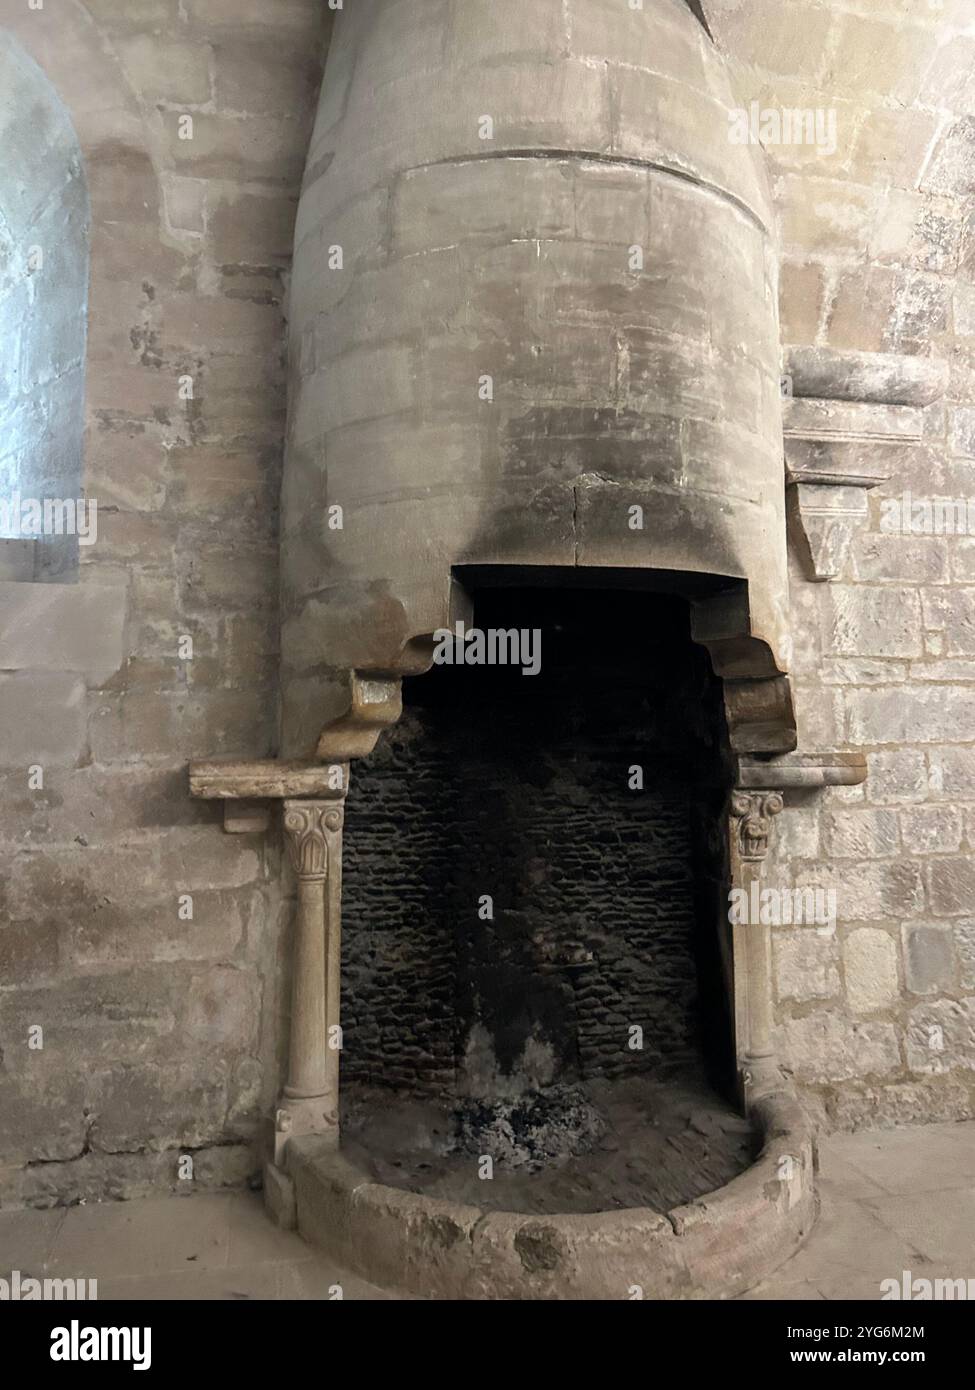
[
  {"x": 870, "y": 970},
  {"x": 805, "y": 965},
  {"x": 952, "y": 886},
  {"x": 899, "y": 775},
  {"x": 81, "y": 627},
  {"x": 824, "y": 1047},
  {"x": 865, "y": 376},
  {"x": 859, "y": 1106},
  {"x": 889, "y": 558},
  {"x": 907, "y": 714},
  {"x": 949, "y": 172},
  {"x": 796, "y": 835},
  {"x": 964, "y": 943},
  {"x": 952, "y": 772},
  {"x": 190, "y": 250},
  {"x": 249, "y": 228},
  {"x": 42, "y": 719},
  {"x": 861, "y": 834},
  {"x": 941, "y": 1037},
  {"x": 931, "y": 829},
  {"x": 872, "y": 890},
  {"x": 17, "y": 559},
  {"x": 928, "y": 958},
  {"x": 175, "y": 72}
]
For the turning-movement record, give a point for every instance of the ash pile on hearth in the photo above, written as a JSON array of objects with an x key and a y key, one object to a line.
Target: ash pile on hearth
[{"x": 530, "y": 1132}]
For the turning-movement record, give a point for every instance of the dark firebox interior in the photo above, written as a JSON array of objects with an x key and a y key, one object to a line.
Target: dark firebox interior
[{"x": 532, "y": 889}]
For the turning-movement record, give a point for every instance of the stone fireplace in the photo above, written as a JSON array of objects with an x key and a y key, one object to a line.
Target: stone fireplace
[
  {"x": 535, "y": 385},
  {"x": 549, "y": 930}
]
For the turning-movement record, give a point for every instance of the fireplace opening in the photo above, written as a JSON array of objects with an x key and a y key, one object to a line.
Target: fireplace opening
[{"x": 534, "y": 884}]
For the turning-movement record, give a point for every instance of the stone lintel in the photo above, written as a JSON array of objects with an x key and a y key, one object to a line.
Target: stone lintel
[{"x": 270, "y": 780}]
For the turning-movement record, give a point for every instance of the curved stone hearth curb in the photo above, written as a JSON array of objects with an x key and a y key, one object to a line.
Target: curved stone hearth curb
[{"x": 715, "y": 1247}]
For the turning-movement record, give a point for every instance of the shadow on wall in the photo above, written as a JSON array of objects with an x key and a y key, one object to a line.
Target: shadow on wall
[{"x": 44, "y": 237}]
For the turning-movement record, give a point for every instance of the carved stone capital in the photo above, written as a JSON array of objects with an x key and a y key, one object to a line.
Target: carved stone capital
[
  {"x": 307, "y": 825},
  {"x": 754, "y": 811}
]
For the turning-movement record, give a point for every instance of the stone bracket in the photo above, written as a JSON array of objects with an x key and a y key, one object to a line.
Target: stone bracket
[
  {"x": 849, "y": 418},
  {"x": 827, "y": 481}
]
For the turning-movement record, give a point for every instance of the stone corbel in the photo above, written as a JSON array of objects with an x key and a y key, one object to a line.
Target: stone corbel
[
  {"x": 826, "y": 499},
  {"x": 849, "y": 418},
  {"x": 375, "y": 702}
]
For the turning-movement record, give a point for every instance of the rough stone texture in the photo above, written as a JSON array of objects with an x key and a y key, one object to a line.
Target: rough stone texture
[
  {"x": 928, "y": 959},
  {"x": 877, "y": 259},
  {"x": 505, "y": 254},
  {"x": 805, "y": 965},
  {"x": 870, "y": 964},
  {"x": 160, "y": 1032},
  {"x": 714, "y": 1247},
  {"x": 190, "y": 254}
]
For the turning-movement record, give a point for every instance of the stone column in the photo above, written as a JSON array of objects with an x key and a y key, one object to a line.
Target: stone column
[
  {"x": 312, "y": 797},
  {"x": 313, "y": 830},
  {"x": 751, "y": 826}
]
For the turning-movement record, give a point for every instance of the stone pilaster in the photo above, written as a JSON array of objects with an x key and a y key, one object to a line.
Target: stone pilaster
[
  {"x": 751, "y": 820},
  {"x": 313, "y": 831}
]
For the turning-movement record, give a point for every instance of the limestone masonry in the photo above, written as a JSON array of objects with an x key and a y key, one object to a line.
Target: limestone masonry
[{"x": 648, "y": 328}]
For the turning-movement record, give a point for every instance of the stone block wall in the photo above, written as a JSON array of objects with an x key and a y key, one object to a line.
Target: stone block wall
[
  {"x": 160, "y": 1032},
  {"x": 162, "y": 1035},
  {"x": 876, "y": 1019}
]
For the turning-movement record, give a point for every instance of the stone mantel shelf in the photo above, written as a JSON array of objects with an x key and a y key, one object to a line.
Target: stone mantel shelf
[
  {"x": 270, "y": 780},
  {"x": 247, "y": 788},
  {"x": 802, "y": 770}
]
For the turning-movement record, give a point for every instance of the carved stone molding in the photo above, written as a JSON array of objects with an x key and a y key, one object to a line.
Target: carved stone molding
[
  {"x": 850, "y": 420},
  {"x": 754, "y": 812},
  {"x": 375, "y": 702},
  {"x": 306, "y": 826}
]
